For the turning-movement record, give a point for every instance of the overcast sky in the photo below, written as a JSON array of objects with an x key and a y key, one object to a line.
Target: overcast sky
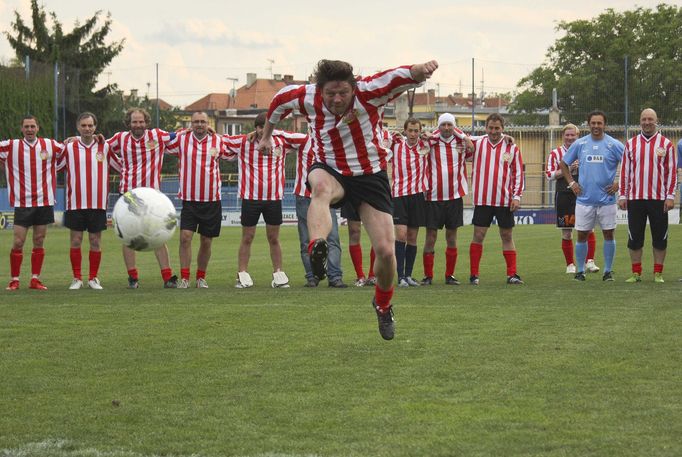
[{"x": 199, "y": 45}]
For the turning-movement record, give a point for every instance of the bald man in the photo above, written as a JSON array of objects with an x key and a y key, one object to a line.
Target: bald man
[{"x": 648, "y": 178}]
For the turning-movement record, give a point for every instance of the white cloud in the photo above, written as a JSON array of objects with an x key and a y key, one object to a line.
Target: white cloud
[{"x": 211, "y": 32}]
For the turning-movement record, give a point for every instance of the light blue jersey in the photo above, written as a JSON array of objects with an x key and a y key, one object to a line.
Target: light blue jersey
[
  {"x": 598, "y": 162},
  {"x": 679, "y": 154}
]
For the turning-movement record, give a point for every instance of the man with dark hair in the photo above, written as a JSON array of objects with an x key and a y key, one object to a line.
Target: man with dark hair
[
  {"x": 261, "y": 189},
  {"x": 497, "y": 180},
  {"x": 345, "y": 117},
  {"x": 598, "y": 156},
  {"x": 86, "y": 163},
  {"x": 30, "y": 168},
  {"x": 648, "y": 179}
]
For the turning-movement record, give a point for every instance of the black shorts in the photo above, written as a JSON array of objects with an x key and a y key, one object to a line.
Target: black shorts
[
  {"x": 564, "y": 202},
  {"x": 483, "y": 216},
  {"x": 90, "y": 220},
  {"x": 270, "y": 209},
  {"x": 410, "y": 210},
  {"x": 204, "y": 217},
  {"x": 374, "y": 190},
  {"x": 638, "y": 212},
  {"x": 37, "y": 215},
  {"x": 348, "y": 212},
  {"x": 448, "y": 214}
]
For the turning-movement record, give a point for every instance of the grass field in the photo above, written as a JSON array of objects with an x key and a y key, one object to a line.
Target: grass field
[{"x": 552, "y": 368}]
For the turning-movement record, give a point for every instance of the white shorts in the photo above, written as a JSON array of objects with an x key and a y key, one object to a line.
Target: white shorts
[{"x": 586, "y": 217}]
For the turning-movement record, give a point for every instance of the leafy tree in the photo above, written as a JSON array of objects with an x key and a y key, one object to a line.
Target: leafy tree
[{"x": 587, "y": 67}]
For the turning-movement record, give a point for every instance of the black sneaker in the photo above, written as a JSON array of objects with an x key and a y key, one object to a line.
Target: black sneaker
[
  {"x": 312, "y": 282},
  {"x": 133, "y": 283},
  {"x": 318, "y": 258},
  {"x": 386, "y": 321},
  {"x": 427, "y": 281},
  {"x": 514, "y": 279},
  {"x": 608, "y": 276},
  {"x": 473, "y": 280},
  {"x": 579, "y": 276},
  {"x": 337, "y": 283},
  {"x": 172, "y": 283},
  {"x": 451, "y": 281}
]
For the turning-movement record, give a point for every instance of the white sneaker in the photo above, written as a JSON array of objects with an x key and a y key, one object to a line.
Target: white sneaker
[
  {"x": 183, "y": 283},
  {"x": 412, "y": 282},
  {"x": 94, "y": 284},
  {"x": 244, "y": 280},
  {"x": 76, "y": 284},
  {"x": 202, "y": 284},
  {"x": 403, "y": 283},
  {"x": 570, "y": 269},
  {"x": 590, "y": 266},
  {"x": 279, "y": 280},
  {"x": 360, "y": 282}
]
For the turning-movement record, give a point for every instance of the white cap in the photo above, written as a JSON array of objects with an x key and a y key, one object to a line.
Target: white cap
[{"x": 446, "y": 117}]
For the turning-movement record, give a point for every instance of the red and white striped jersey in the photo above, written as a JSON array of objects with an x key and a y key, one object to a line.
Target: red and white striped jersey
[
  {"x": 497, "y": 173},
  {"x": 350, "y": 144},
  {"x": 199, "y": 168},
  {"x": 261, "y": 177},
  {"x": 446, "y": 173},
  {"x": 87, "y": 174},
  {"x": 408, "y": 167},
  {"x": 648, "y": 170},
  {"x": 553, "y": 161},
  {"x": 141, "y": 159},
  {"x": 304, "y": 160},
  {"x": 31, "y": 171}
]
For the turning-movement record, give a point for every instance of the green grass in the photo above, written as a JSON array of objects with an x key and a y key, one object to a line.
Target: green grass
[{"x": 553, "y": 368}]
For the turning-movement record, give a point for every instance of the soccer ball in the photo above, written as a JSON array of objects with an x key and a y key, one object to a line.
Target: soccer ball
[{"x": 144, "y": 219}]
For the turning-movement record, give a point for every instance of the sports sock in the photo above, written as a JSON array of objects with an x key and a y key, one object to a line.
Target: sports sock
[
  {"x": 510, "y": 260},
  {"x": 450, "y": 261},
  {"x": 475, "y": 254},
  {"x": 356, "y": 257},
  {"x": 15, "y": 259},
  {"x": 609, "y": 254},
  {"x": 428, "y": 259},
  {"x": 76, "y": 261},
  {"x": 133, "y": 273},
  {"x": 591, "y": 245},
  {"x": 580, "y": 255},
  {"x": 166, "y": 274},
  {"x": 382, "y": 298},
  {"x": 658, "y": 268},
  {"x": 372, "y": 258},
  {"x": 95, "y": 258},
  {"x": 567, "y": 247},
  {"x": 410, "y": 257},
  {"x": 184, "y": 273},
  {"x": 37, "y": 257},
  {"x": 637, "y": 268},
  {"x": 201, "y": 274},
  {"x": 400, "y": 258}
]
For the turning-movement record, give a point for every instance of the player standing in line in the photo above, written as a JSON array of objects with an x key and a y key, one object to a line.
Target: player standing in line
[
  {"x": 30, "y": 168},
  {"x": 446, "y": 184},
  {"x": 598, "y": 156},
  {"x": 86, "y": 163},
  {"x": 564, "y": 201},
  {"x": 648, "y": 179},
  {"x": 355, "y": 247},
  {"x": 198, "y": 154},
  {"x": 497, "y": 178},
  {"x": 261, "y": 189},
  {"x": 344, "y": 114},
  {"x": 141, "y": 152}
]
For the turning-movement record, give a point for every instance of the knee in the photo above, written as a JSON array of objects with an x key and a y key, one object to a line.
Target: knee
[
  {"x": 322, "y": 189},
  {"x": 247, "y": 238}
]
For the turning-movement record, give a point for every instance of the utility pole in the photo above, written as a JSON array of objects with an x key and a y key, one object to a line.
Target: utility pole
[
  {"x": 270, "y": 67},
  {"x": 233, "y": 92}
]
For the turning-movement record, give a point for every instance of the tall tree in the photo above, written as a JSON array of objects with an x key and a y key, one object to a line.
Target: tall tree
[{"x": 587, "y": 67}]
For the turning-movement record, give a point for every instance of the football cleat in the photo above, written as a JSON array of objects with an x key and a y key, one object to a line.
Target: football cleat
[
  {"x": 570, "y": 269},
  {"x": 172, "y": 283},
  {"x": 658, "y": 277},
  {"x": 318, "y": 258},
  {"x": 36, "y": 284},
  {"x": 94, "y": 284},
  {"x": 427, "y": 281},
  {"x": 133, "y": 283},
  {"x": 412, "y": 282},
  {"x": 202, "y": 284},
  {"x": 244, "y": 280},
  {"x": 474, "y": 281},
  {"x": 13, "y": 285},
  {"x": 279, "y": 280},
  {"x": 579, "y": 276},
  {"x": 183, "y": 283},
  {"x": 608, "y": 276},
  {"x": 402, "y": 282},
  {"x": 386, "y": 321},
  {"x": 636, "y": 277},
  {"x": 515, "y": 280},
  {"x": 371, "y": 281},
  {"x": 451, "y": 281},
  {"x": 591, "y": 266},
  {"x": 76, "y": 284},
  {"x": 360, "y": 282}
]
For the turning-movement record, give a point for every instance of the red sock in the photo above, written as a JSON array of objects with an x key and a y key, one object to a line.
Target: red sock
[
  {"x": 567, "y": 247},
  {"x": 15, "y": 258},
  {"x": 166, "y": 274},
  {"x": 510, "y": 259},
  {"x": 356, "y": 256},
  {"x": 475, "y": 254},
  {"x": 372, "y": 257},
  {"x": 37, "y": 257},
  {"x": 133, "y": 273},
  {"x": 95, "y": 258},
  {"x": 658, "y": 268},
  {"x": 450, "y": 261},
  {"x": 637, "y": 268},
  {"x": 76, "y": 260},
  {"x": 591, "y": 245},
  {"x": 382, "y": 298},
  {"x": 428, "y": 258},
  {"x": 201, "y": 274},
  {"x": 184, "y": 273}
]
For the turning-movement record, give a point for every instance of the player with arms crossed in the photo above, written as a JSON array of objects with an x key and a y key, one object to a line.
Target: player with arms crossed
[{"x": 344, "y": 114}]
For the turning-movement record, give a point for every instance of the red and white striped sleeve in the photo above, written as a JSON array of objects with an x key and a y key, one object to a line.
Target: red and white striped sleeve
[
  {"x": 286, "y": 100},
  {"x": 517, "y": 174},
  {"x": 232, "y": 145},
  {"x": 626, "y": 171},
  {"x": 553, "y": 164},
  {"x": 670, "y": 170},
  {"x": 378, "y": 89}
]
